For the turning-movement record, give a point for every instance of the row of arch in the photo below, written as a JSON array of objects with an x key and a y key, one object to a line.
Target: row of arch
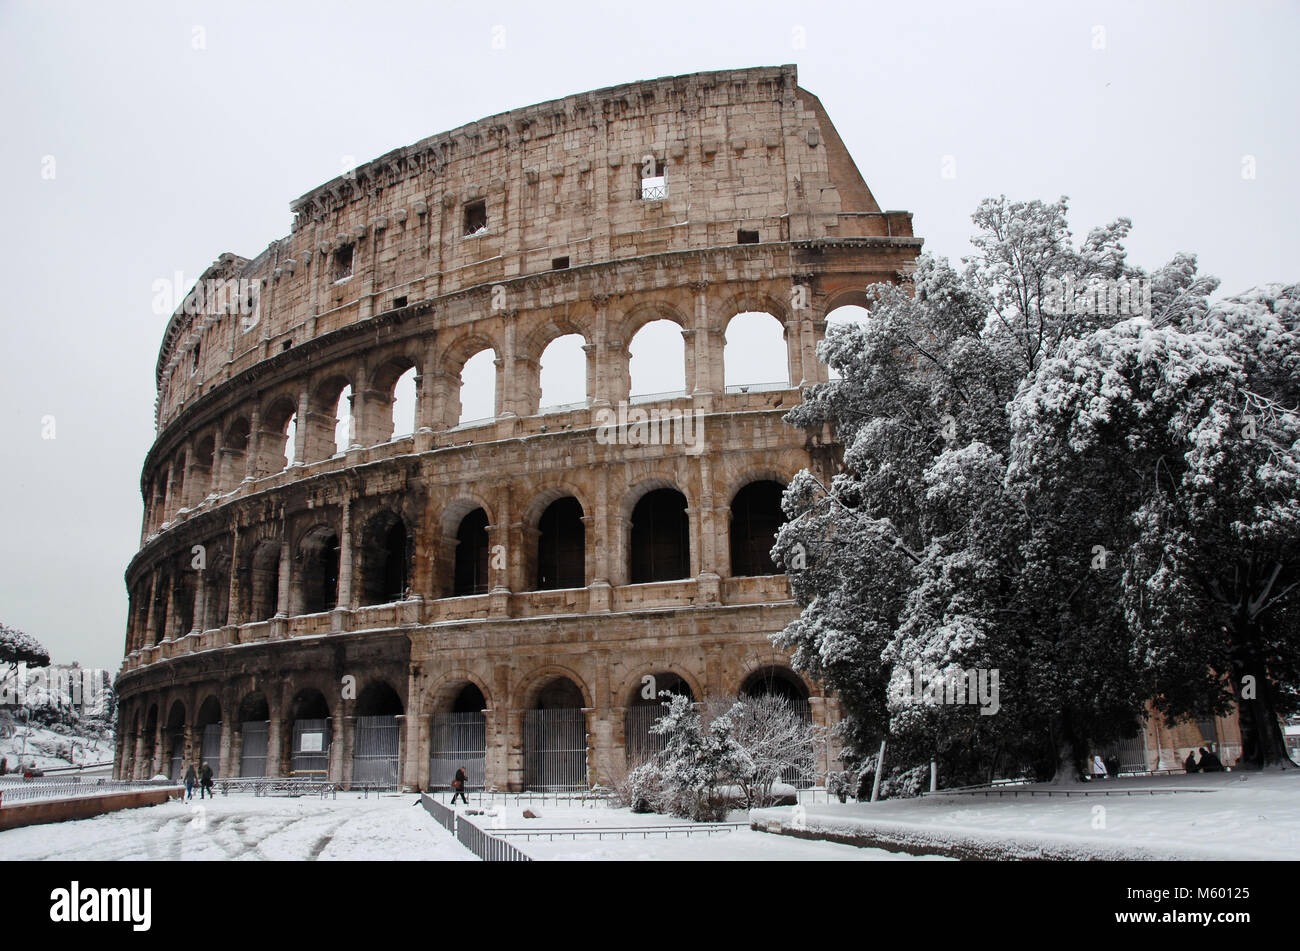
[
  {"x": 352, "y": 407},
  {"x": 321, "y": 568},
  {"x": 551, "y": 716}
]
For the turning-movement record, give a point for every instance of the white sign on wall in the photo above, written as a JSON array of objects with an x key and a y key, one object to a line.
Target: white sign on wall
[{"x": 313, "y": 742}]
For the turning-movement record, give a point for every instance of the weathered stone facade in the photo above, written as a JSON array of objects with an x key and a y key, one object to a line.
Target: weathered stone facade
[{"x": 504, "y": 235}]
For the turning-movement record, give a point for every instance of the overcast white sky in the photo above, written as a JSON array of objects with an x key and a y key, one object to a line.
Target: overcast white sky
[{"x": 166, "y": 155}]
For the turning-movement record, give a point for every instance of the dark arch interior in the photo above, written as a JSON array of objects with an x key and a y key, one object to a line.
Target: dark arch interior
[
  {"x": 320, "y": 571},
  {"x": 309, "y": 705},
  {"x": 755, "y": 517},
  {"x": 176, "y": 717},
  {"x": 663, "y": 680},
  {"x": 471, "y": 576},
  {"x": 776, "y": 681},
  {"x": 254, "y": 708},
  {"x": 469, "y": 700},
  {"x": 209, "y": 712},
  {"x": 263, "y": 581},
  {"x": 560, "y": 694},
  {"x": 379, "y": 700},
  {"x": 660, "y": 542},
  {"x": 385, "y": 562},
  {"x": 561, "y": 546}
]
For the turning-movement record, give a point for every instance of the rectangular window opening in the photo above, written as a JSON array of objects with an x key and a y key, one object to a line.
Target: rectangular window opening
[
  {"x": 559, "y": 264},
  {"x": 475, "y": 218},
  {"x": 399, "y": 302},
  {"x": 746, "y": 237},
  {"x": 655, "y": 187},
  {"x": 342, "y": 263}
]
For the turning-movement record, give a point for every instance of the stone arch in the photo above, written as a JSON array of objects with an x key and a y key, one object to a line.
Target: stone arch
[
  {"x": 203, "y": 466},
  {"x": 557, "y": 545},
  {"x": 260, "y": 591},
  {"x": 640, "y": 713},
  {"x": 252, "y": 727},
  {"x": 207, "y": 733},
  {"x": 532, "y": 683},
  {"x": 755, "y": 353},
  {"x": 324, "y": 419},
  {"x": 382, "y": 397},
  {"x": 387, "y": 550},
  {"x": 458, "y": 730},
  {"x": 658, "y": 538},
  {"x": 276, "y": 440},
  {"x": 316, "y": 582},
  {"x": 376, "y": 735},
  {"x": 234, "y": 452},
  {"x": 458, "y": 353},
  {"x": 312, "y": 731},
  {"x": 555, "y": 729},
  {"x": 755, "y": 516},
  {"x": 176, "y": 740},
  {"x": 441, "y": 694}
]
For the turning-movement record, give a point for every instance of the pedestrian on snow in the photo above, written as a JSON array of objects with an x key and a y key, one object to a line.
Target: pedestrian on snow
[
  {"x": 458, "y": 787},
  {"x": 205, "y": 782},
  {"x": 190, "y": 779}
]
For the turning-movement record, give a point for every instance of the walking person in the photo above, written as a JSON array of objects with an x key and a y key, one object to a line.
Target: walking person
[
  {"x": 458, "y": 787},
  {"x": 190, "y": 779},
  {"x": 205, "y": 782}
]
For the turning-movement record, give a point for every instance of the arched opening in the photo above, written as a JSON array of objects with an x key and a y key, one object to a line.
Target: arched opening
[
  {"x": 841, "y": 316},
  {"x": 343, "y": 432},
  {"x": 319, "y": 557},
  {"x": 205, "y": 457},
  {"x": 404, "y": 405},
  {"x": 563, "y": 374},
  {"x": 755, "y": 517},
  {"x": 161, "y": 606},
  {"x": 254, "y": 734},
  {"x": 478, "y": 389},
  {"x": 377, "y": 737},
  {"x": 279, "y": 431},
  {"x": 754, "y": 356},
  {"x": 458, "y": 740},
  {"x": 216, "y": 595},
  {"x": 644, "y": 707},
  {"x": 660, "y": 538},
  {"x": 208, "y": 726},
  {"x": 183, "y": 601},
  {"x": 385, "y": 556},
  {"x": 263, "y": 581},
  {"x": 309, "y": 716},
  {"x": 561, "y": 546},
  {"x": 784, "y": 683},
  {"x": 176, "y": 742},
  {"x": 555, "y": 738},
  {"x": 471, "y": 575},
  {"x": 235, "y": 449},
  {"x": 657, "y": 361},
  {"x": 781, "y": 682},
  {"x": 150, "y": 741}
]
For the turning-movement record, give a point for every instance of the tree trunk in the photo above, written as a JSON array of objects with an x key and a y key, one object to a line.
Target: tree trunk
[
  {"x": 1262, "y": 744},
  {"x": 1068, "y": 772}
]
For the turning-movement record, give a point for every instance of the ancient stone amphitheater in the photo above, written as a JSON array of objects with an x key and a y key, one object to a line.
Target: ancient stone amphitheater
[{"x": 502, "y": 593}]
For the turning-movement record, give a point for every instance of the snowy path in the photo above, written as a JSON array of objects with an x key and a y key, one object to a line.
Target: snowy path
[
  {"x": 1240, "y": 815},
  {"x": 244, "y": 827}
]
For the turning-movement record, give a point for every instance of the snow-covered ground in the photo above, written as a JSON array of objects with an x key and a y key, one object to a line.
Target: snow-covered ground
[
  {"x": 737, "y": 845},
  {"x": 246, "y": 827},
  {"x": 49, "y": 748},
  {"x": 1239, "y": 815}
]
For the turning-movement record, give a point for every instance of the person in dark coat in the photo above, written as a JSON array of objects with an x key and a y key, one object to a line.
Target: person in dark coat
[
  {"x": 190, "y": 779},
  {"x": 458, "y": 787},
  {"x": 1210, "y": 762},
  {"x": 205, "y": 782},
  {"x": 1189, "y": 764}
]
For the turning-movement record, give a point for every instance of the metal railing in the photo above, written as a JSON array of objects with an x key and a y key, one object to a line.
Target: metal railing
[
  {"x": 757, "y": 387},
  {"x": 580, "y": 798},
  {"x": 622, "y": 832},
  {"x": 286, "y": 785},
  {"x": 11, "y": 795},
  {"x": 484, "y": 844}
]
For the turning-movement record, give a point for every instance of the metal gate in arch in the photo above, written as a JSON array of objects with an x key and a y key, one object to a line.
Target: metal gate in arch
[
  {"x": 377, "y": 750},
  {"x": 457, "y": 740},
  {"x": 555, "y": 749}
]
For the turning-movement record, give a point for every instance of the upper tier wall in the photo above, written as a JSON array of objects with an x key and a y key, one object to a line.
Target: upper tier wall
[{"x": 744, "y": 149}]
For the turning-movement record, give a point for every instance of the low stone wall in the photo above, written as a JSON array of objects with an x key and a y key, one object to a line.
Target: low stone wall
[{"x": 84, "y": 807}]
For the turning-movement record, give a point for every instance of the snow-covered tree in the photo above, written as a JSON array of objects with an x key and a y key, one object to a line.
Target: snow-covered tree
[
  {"x": 774, "y": 741},
  {"x": 922, "y": 553},
  {"x": 17, "y": 648},
  {"x": 1193, "y": 431}
]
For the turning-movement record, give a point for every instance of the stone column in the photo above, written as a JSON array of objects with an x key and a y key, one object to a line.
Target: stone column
[
  {"x": 302, "y": 429},
  {"x": 151, "y": 609},
  {"x": 345, "y": 598},
  {"x": 253, "y": 450},
  {"x": 282, "y": 603}
]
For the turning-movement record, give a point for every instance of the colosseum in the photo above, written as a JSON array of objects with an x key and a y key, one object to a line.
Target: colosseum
[{"x": 324, "y": 589}]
